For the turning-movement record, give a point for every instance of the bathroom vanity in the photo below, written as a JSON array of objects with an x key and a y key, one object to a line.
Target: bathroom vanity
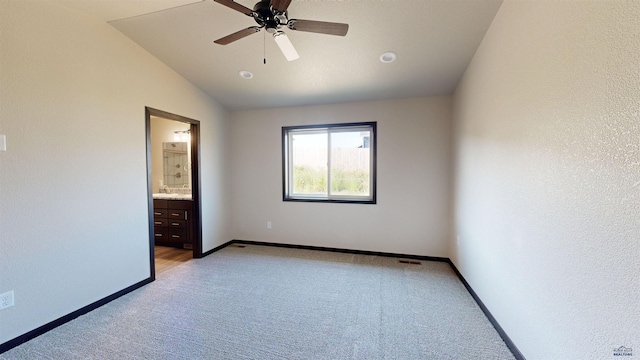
[{"x": 173, "y": 222}]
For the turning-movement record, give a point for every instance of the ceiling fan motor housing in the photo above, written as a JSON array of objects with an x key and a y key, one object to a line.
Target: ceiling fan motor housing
[{"x": 266, "y": 18}]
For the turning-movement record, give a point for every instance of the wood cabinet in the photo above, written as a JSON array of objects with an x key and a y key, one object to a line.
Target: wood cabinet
[{"x": 172, "y": 223}]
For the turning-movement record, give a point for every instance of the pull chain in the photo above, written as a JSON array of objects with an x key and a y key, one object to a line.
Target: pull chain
[{"x": 264, "y": 47}]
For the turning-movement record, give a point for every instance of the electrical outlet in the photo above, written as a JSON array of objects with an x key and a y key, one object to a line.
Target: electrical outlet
[
  {"x": 269, "y": 225},
  {"x": 6, "y": 300}
]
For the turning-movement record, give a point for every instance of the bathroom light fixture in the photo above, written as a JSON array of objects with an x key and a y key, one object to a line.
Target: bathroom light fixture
[
  {"x": 245, "y": 74},
  {"x": 285, "y": 46},
  {"x": 182, "y": 136},
  {"x": 388, "y": 57}
]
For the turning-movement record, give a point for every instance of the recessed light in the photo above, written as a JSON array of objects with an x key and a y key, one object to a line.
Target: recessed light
[
  {"x": 388, "y": 57},
  {"x": 245, "y": 74}
]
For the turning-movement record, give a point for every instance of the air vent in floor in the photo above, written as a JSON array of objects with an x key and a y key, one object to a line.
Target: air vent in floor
[
  {"x": 412, "y": 262},
  {"x": 237, "y": 246}
]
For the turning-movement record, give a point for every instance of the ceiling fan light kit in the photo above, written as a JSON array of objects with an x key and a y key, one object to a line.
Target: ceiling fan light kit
[
  {"x": 285, "y": 46},
  {"x": 272, "y": 15}
]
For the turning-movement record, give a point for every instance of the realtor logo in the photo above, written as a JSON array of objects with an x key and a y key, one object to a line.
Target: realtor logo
[{"x": 623, "y": 351}]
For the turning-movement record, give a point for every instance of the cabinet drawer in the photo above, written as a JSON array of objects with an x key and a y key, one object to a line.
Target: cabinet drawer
[
  {"x": 177, "y": 224},
  {"x": 177, "y": 235},
  {"x": 161, "y": 233},
  {"x": 180, "y": 204},
  {"x": 160, "y": 213},
  {"x": 177, "y": 214},
  {"x": 160, "y": 222}
]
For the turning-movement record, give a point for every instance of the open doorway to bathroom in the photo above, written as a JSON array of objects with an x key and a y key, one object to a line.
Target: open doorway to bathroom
[{"x": 173, "y": 162}]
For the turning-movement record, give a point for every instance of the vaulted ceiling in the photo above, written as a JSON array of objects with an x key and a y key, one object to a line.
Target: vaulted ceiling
[{"x": 434, "y": 41}]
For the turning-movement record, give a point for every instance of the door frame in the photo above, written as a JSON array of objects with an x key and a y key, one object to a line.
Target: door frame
[{"x": 195, "y": 181}]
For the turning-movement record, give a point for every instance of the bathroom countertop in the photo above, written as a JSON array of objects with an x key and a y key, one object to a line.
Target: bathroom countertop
[{"x": 172, "y": 196}]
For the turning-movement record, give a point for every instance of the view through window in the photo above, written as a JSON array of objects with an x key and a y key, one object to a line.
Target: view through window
[{"x": 329, "y": 162}]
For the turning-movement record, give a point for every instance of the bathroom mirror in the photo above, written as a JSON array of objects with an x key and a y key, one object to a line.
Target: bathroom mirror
[{"x": 176, "y": 165}]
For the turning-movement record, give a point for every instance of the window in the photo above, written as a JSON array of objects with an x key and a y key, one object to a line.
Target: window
[{"x": 330, "y": 163}]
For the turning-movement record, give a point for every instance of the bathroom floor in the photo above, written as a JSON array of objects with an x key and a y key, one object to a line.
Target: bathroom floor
[{"x": 169, "y": 257}]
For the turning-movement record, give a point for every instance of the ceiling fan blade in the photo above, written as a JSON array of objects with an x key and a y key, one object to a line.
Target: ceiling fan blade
[
  {"x": 285, "y": 46},
  {"x": 321, "y": 27},
  {"x": 280, "y": 5},
  {"x": 235, "y": 6},
  {"x": 238, "y": 35}
]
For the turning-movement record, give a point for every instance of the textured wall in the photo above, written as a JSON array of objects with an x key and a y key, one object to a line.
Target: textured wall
[
  {"x": 412, "y": 211},
  {"x": 547, "y": 168},
  {"x": 73, "y": 182}
]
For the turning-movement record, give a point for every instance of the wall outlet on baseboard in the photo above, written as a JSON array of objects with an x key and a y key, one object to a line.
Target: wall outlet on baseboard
[
  {"x": 6, "y": 300},
  {"x": 269, "y": 225}
]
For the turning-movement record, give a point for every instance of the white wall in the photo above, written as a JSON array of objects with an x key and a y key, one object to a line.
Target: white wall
[
  {"x": 547, "y": 168},
  {"x": 411, "y": 215},
  {"x": 73, "y": 182}
]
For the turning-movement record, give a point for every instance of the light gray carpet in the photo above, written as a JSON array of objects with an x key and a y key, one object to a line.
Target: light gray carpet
[{"x": 264, "y": 302}]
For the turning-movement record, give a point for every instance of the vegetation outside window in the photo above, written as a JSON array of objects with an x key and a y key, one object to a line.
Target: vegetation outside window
[{"x": 330, "y": 163}]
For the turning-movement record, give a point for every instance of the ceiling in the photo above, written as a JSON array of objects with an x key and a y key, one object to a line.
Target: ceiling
[{"x": 434, "y": 39}]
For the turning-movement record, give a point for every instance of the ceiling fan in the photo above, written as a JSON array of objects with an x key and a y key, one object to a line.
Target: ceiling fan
[{"x": 273, "y": 15}]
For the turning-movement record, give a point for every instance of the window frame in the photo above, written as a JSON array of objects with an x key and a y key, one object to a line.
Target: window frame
[{"x": 329, "y": 128}]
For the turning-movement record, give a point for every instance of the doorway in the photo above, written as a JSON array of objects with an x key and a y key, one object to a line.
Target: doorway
[{"x": 173, "y": 182}]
